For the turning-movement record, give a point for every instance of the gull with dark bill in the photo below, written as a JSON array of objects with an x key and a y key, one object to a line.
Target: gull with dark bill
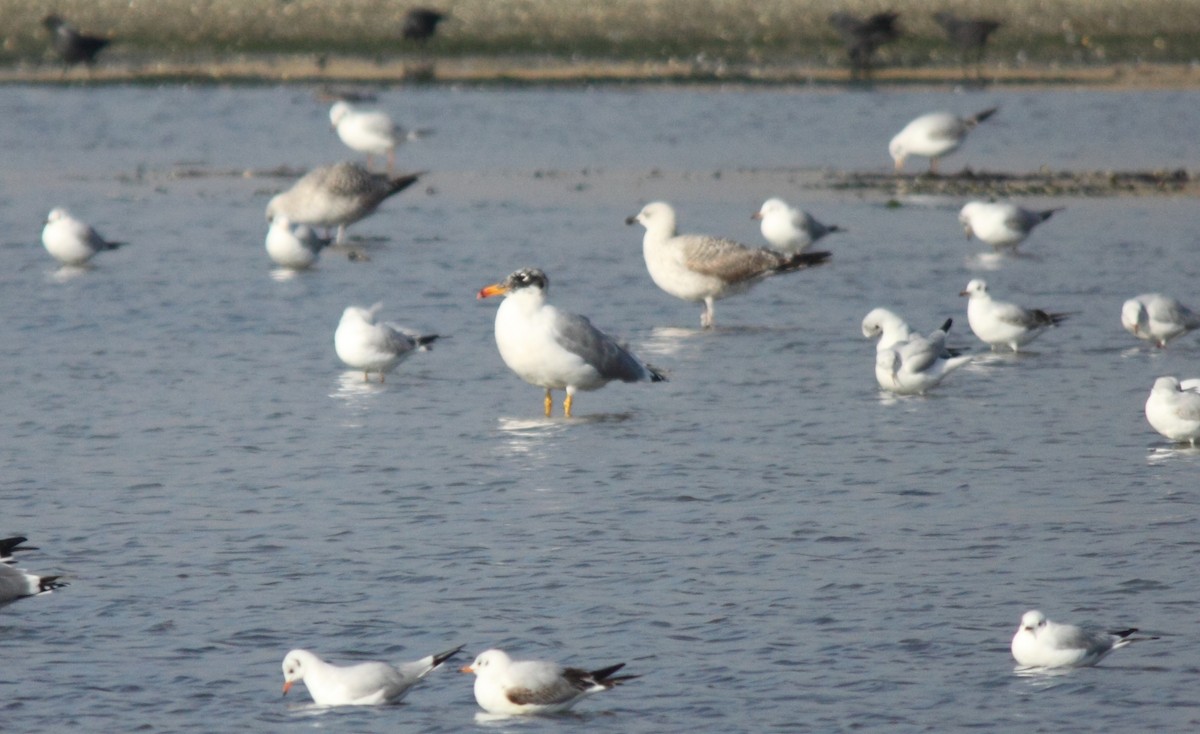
[
  {"x": 1157, "y": 318},
  {"x": 362, "y": 684},
  {"x": 1041, "y": 643},
  {"x": 933, "y": 136},
  {"x": 555, "y": 349},
  {"x": 1000, "y": 323},
  {"x": 701, "y": 268},
  {"x": 1000, "y": 224},
  {"x": 365, "y": 345},
  {"x": 790, "y": 230},
  {"x": 336, "y": 196},
  {"x": 507, "y": 686},
  {"x": 1173, "y": 409}
]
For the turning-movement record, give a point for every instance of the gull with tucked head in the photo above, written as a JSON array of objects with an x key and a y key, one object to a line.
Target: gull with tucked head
[
  {"x": 71, "y": 241},
  {"x": 1157, "y": 318},
  {"x": 1173, "y": 409},
  {"x": 790, "y": 230}
]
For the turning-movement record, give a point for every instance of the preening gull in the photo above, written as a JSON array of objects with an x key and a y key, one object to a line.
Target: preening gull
[
  {"x": 1173, "y": 409},
  {"x": 997, "y": 322},
  {"x": 933, "y": 136},
  {"x": 70, "y": 241},
  {"x": 1157, "y": 318},
  {"x": 365, "y": 345},
  {"x": 336, "y": 196},
  {"x": 914, "y": 364},
  {"x": 507, "y": 686},
  {"x": 1041, "y": 643},
  {"x": 1000, "y": 224},
  {"x": 362, "y": 684},
  {"x": 788, "y": 229}
]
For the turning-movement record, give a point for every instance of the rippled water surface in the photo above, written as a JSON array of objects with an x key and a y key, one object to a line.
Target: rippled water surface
[{"x": 771, "y": 543}]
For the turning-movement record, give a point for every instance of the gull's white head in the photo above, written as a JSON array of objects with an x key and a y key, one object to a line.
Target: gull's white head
[
  {"x": 488, "y": 662},
  {"x": 657, "y": 217},
  {"x": 338, "y": 111},
  {"x": 359, "y": 314},
  {"x": 1166, "y": 385},
  {"x": 1134, "y": 316},
  {"x": 56, "y": 214},
  {"x": 295, "y": 664},
  {"x": 898, "y": 151},
  {"x": 772, "y": 208},
  {"x": 1032, "y": 621},
  {"x": 976, "y": 287},
  {"x": 881, "y": 321}
]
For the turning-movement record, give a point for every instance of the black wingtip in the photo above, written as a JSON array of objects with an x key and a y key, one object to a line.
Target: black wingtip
[
  {"x": 442, "y": 657},
  {"x": 8, "y": 545},
  {"x": 49, "y": 583},
  {"x": 946, "y": 325},
  {"x": 400, "y": 183},
  {"x": 981, "y": 116},
  {"x": 1124, "y": 633},
  {"x": 604, "y": 675},
  {"x": 806, "y": 260},
  {"x": 424, "y": 341},
  {"x": 655, "y": 374}
]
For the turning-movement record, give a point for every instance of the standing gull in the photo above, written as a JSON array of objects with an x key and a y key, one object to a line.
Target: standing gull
[
  {"x": 70, "y": 241},
  {"x": 997, "y": 322},
  {"x": 1041, "y": 643},
  {"x": 555, "y": 349},
  {"x": 507, "y": 686},
  {"x": 1157, "y": 318},
  {"x": 336, "y": 196},
  {"x": 368, "y": 131},
  {"x": 1000, "y": 224},
  {"x": 296, "y": 247},
  {"x": 933, "y": 135},
  {"x": 364, "y": 684},
  {"x": 788, "y": 229},
  {"x": 365, "y": 345},
  {"x": 702, "y": 268},
  {"x": 1173, "y": 409}
]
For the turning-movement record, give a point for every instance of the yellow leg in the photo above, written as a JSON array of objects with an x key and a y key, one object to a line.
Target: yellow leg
[
  {"x": 567, "y": 405},
  {"x": 549, "y": 402}
]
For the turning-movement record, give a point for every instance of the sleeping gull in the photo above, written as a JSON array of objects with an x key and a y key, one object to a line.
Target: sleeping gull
[
  {"x": 336, "y": 196},
  {"x": 555, "y": 349},
  {"x": 997, "y": 322},
  {"x": 368, "y": 131},
  {"x": 703, "y": 268},
  {"x": 1040, "y": 643},
  {"x": 365, "y": 345},
  {"x": 507, "y": 686},
  {"x": 1173, "y": 409},
  {"x": 70, "y": 241},
  {"x": 363, "y": 684},
  {"x": 788, "y": 229},
  {"x": 907, "y": 363},
  {"x": 1000, "y": 224},
  {"x": 1157, "y": 318},
  {"x": 933, "y": 135},
  {"x": 296, "y": 247}
]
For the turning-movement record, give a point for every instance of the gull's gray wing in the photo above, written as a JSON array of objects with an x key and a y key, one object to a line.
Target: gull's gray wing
[{"x": 576, "y": 334}]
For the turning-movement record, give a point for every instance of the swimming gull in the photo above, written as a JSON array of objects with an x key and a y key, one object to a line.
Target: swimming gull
[
  {"x": 336, "y": 196},
  {"x": 70, "y": 241},
  {"x": 507, "y": 686},
  {"x": 788, "y": 229},
  {"x": 555, "y": 349},
  {"x": 933, "y": 135},
  {"x": 362, "y": 684},
  {"x": 293, "y": 246},
  {"x": 365, "y": 345},
  {"x": 8, "y": 546},
  {"x": 72, "y": 46},
  {"x": 1157, "y": 318},
  {"x": 998, "y": 322},
  {"x": 1000, "y": 224},
  {"x": 1041, "y": 643},
  {"x": 702, "y": 268},
  {"x": 16, "y": 584},
  {"x": 1173, "y": 409}
]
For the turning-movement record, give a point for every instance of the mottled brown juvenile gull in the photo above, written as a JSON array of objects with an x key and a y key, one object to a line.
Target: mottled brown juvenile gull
[
  {"x": 933, "y": 135},
  {"x": 1041, "y": 643},
  {"x": 507, "y": 686},
  {"x": 1157, "y": 318},
  {"x": 363, "y": 684},
  {"x": 702, "y": 268},
  {"x": 555, "y": 349},
  {"x": 336, "y": 196}
]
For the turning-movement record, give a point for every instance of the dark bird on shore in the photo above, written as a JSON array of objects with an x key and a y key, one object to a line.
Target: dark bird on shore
[
  {"x": 969, "y": 35},
  {"x": 421, "y": 23},
  {"x": 863, "y": 37},
  {"x": 72, "y": 46}
]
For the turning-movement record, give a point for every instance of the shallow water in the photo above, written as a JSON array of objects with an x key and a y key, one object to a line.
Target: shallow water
[{"x": 770, "y": 542}]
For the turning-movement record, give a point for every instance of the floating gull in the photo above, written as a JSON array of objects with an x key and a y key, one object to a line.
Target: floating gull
[
  {"x": 365, "y": 345},
  {"x": 363, "y": 684},
  {"x": 555, "y": 349},
  {"x": 788, "y": 229},
  {"x": 1040, "y": 643},
  {"x": 16, "y": 584},
  {"x": 70, "y": 241},
  {"x": 72, "y": 46},
  {"x": 997, "y": 322},
  {"x": 296, "y": 247},
  {"x": 8, "y": 546},
  {"x": 1000, "y": 224},
  {"x": 507, "y": 686},
  {"x": 336, "y": 196},
  {"x": 368, "y": 131},
  {"x": 933, "y": 135},
  {"x": 1157, "y": 318},
  {"x": 913, "y": 364},
  {"x": 1173, "y": 409},
  {"x": 703, "y": 268}
]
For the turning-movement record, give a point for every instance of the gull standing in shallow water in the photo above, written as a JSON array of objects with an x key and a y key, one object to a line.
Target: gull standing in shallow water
[
  {"x": 70, "y": 241},
  {"x": 1000, "y": 224},
  {"x": 364, "y": 684},
  {"x": 507, "y": 686},
  {"x": 1040, "y": 643},
  {"x": 788, "y": 229},
  {"x": 703, "y": 268},
  {"x": 363, "y": 344},
  {"x": 1157, "y": 318},
  {"x": 368, "y": 131},
  {"x": 555, "y": 349},
  {"x": 1173, "y": 409},
  {"x": 912, "y": 365},
  {"x": 336, "y": 196},
  {"x": 997, "y": 322},
  {"x": 296, "y": 247},
  {"x": 933, "y": 135}
]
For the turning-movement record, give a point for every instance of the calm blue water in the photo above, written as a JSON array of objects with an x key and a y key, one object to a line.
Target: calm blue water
[{"x": 771, "y": 543}]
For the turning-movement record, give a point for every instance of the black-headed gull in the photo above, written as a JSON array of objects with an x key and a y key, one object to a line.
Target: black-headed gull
[
  {"x": 70, "y": 241},
  {"x": 555, "y": 349},
  {"x": 788, "y": 229},
  {"x": 368, "y": 131},
  {"x": 1000, "y": 224},
  {"x": 361, "y": 684},
  {"x": 1173, "y": 408},
  {"x": 916, "y": 364},
  {"x": 295, "y": 246},
  {"x": 375, "y": 347},
  {"x": 336, "y": 196},
  {"x": 702, "y": 268},
  {"x": 1040, "y": 643},
  {"x": 998, "y": 322},
  {"x": 933, "y": 136},
  {"x": 1157, "y": 318},
  {"x": 507, "y": 686}
]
